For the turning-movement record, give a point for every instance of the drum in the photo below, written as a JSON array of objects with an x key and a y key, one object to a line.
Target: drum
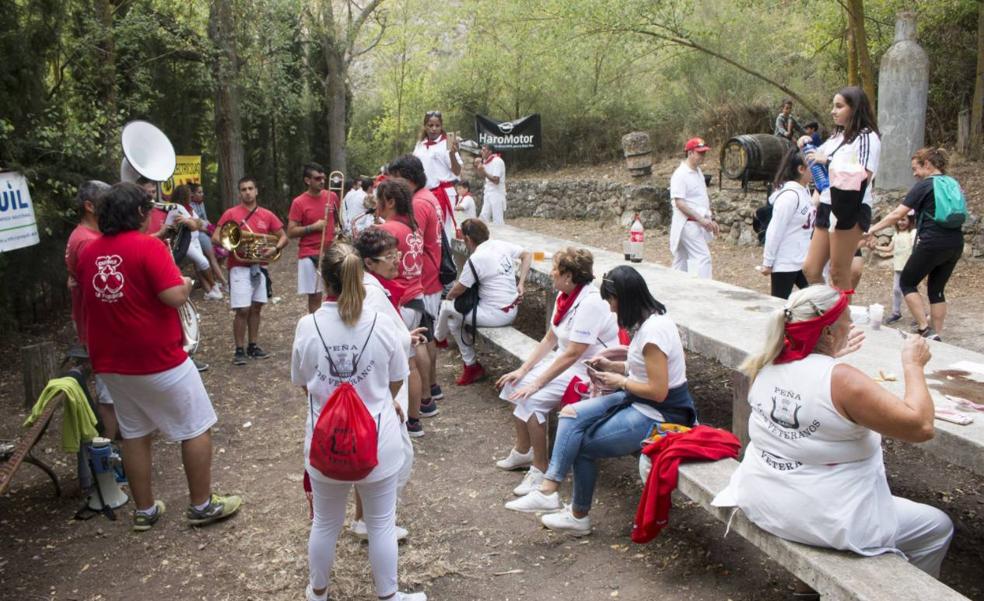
[{"x": 189, "y": 326}]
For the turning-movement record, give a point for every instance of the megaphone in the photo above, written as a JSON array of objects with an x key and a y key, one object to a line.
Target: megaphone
[
  {"x": 106, "y": 495},
  {"x": 147, "y": 152}
]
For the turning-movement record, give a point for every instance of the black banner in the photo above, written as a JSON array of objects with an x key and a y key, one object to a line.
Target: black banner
[{"x": 518, "y": 134}]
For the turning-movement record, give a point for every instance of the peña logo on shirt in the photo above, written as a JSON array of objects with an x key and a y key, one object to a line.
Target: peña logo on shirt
[
  {"x": 785, "y": 409},
  {"x": 108, "y": 282}
]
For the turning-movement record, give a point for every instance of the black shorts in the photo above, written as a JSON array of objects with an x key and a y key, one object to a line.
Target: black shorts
[
  {"x": 848, "y": 208},
  {"x": 822, "y": 221},
  {"x": 934, "y": 264}
]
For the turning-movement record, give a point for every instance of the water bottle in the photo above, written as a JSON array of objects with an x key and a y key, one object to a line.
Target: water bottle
[
  {"x": 636, "y": 237},
  {"x": 819, "y": 171}
]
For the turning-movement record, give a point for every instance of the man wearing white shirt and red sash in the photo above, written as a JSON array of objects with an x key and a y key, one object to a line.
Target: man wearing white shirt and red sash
[
  {"x": 493, "y": 172},
  {"x": 692, "y": 225},
  {"x": 438, "y": 152}
]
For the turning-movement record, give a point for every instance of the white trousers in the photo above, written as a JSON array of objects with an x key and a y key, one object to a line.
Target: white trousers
[
  {"x": 924, "y": 534},
  {"x": 196, "y": 255},
  {"x": 451, "y": 321},
  {"x": 493, "y": 209},
  {"x": 379, "y": 513},
  {"x": 692, "y": 253}
]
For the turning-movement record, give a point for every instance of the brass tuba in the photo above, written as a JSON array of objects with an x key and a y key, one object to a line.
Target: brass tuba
[{"x": 248, "y": 246}]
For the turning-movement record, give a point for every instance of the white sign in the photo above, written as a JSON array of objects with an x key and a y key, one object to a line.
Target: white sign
[{"x": 18, "y": 227}]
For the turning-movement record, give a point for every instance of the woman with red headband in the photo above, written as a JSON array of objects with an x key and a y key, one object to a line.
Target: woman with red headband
[{"x": 813, "y": 471}]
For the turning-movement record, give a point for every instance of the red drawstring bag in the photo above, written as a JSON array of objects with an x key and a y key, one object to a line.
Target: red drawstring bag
[{"x": 344, "y": 442}]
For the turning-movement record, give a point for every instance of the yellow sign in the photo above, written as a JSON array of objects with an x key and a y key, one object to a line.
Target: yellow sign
[{"x": 187, "y": 171}]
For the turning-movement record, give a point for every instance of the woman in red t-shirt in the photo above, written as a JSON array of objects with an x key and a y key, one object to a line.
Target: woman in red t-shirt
[
  {"x": 131, "y": 289},
  {"x": 395, "y": 206}
]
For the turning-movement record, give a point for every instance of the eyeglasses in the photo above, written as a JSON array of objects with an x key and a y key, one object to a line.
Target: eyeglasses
[
  {"x": 430, "y": 114},
  {"x": 392, "y": 257}
]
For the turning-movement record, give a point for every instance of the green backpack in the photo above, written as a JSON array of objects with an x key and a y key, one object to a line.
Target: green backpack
[{"x": 951, "y": 207}]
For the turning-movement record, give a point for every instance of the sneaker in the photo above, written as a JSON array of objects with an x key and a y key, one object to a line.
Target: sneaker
[
  {"x": 200, "y": 365},
  {"x": 471, "y": 374},
  {"x": 253, "y": 351},
  {"x": 930, "y": 334},
  {"x": 535, "y": 501},
  {"x": 565, "y": 521},
  {"x": 414, "y": 428},
  {"x": 219, "y": 507},
  {"x": 310, "y": 596},
  {"x": 359, "y": 530},
  {"x": 531, "y": 481},
  {"x": 515, "y": 460},
  {"x": 428, "y": 409},
  {"x": 239, "y": 358},
  {"x": 214, "y": 294},
  {"x": 436, "y": 393},
  {"x": 443, "y": 344},
  {"x": 893, "y": 318},
  {"x": 410, "y": 597},
  {"x": 143, "y": 522}
]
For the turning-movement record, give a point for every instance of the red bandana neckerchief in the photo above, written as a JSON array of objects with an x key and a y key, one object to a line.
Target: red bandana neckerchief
[
  {"x": 428, "y": 143},
  {"x": 331, "y": 298},
  {"x": 802, "y": 336},
  {"x": 564, "y": 304},
  {"x": 492, "y": 156}
]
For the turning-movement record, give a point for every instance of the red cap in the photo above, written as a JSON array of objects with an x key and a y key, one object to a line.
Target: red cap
[{"x": 696, "y": 144}]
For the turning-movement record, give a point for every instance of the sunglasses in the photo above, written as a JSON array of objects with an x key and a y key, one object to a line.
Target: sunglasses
[
  {"x": 318, "y": 178},
  {"x": 392, "y": 257},
  {"x": 430, "y": 114}
]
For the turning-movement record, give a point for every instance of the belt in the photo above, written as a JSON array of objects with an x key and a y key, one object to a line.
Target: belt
[{"x": 445, "y": 185}]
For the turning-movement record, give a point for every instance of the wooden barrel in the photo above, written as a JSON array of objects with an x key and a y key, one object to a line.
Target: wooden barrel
[
  {"x": 753, "y": 157},
  {"x": 638, "y": 152}
]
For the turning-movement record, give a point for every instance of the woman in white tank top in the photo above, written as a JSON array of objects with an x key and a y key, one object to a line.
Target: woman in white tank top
[{"x": 813, "y": 471}]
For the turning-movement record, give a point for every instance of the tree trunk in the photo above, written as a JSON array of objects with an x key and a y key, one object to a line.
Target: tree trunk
[
  {"x": 107, "y": 82},
  {"x": 338, "y": 107},
  {"x": 977, "y": 109},
  {"x": 867, "y": 72},
  {"x": 852, "y": 52},
  {"x": 228, "y": 124}
]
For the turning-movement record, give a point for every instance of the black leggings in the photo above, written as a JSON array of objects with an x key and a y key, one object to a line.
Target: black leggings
[
  {"x": 783, "y": 282},
  {"x": 937, "y": 264}
]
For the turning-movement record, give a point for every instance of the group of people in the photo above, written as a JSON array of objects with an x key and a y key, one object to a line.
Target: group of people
[{"x": 612, "y": 361}]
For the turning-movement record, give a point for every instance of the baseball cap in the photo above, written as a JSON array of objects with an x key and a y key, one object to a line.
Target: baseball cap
[{"x": 696, "y": 144}]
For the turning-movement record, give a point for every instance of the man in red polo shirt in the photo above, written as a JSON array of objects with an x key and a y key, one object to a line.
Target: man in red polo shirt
[
  {"x": 427, "y": 214},
  {"x": 247, "y": 284},
  {"x": 306, "y": 221},
  {"x": 85, "y": 232}
]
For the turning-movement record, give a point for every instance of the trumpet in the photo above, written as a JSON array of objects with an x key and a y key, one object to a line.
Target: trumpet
[{"x": 246, "y": 246}]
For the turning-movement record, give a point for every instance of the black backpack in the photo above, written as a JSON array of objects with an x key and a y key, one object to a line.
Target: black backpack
[{"x": 760, "y": 222}]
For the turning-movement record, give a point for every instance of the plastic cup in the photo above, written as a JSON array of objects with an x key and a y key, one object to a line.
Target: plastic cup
[
  {"x": 876, "y": 313},
  {"x": 859, "y": 315}
]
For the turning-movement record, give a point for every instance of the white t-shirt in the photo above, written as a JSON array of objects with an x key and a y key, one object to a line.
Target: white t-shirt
[
  {"x": 352, "y": 206},
  {"x": 496, "y": 168},
  {"x": 495, "y": 263},
  {"x": 382, "y": 360},
  {"x": 658, "y": 330},
  {"x": 589, "y": 321},
  {"x": 866, "y": 146},
  {"x": 437, "y": 162},
  {"x": 466, "y": 206},
  {"x": 788, "y": 237}
]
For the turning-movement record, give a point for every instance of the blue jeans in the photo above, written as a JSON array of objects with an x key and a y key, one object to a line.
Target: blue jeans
[{"x": 578, "y": 444}]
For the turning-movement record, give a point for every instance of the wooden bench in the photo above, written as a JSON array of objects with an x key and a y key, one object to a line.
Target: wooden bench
[
  {"x": 21, "y": 451},
  {"x": 837, "y": 575}
]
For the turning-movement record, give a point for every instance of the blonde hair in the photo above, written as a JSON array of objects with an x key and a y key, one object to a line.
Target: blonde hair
[
  {"x": 802, "y": 305},
  {"x": 341, "y": 270},
  {"x": 578, "y": 262}
]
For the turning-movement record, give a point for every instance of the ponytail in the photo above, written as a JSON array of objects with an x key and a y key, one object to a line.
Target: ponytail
[
  {"x": 342, "y": 272},
  {"x": 936, "y": 157},
  {"x": 802, "y": 305}
]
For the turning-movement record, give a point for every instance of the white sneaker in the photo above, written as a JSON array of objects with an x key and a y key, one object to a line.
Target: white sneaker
[
  {"x": 214, "y": 294},
  {"x": 410, "y": 597},
  {"x": 531, "y": 481},
  {"x": 565, "y": 521},
  {"x": 310, "y": 596},
  {"x": 515, "y": 460},
  {"x": 535, "y": 501},
  {"x": 359, "y": 530}
]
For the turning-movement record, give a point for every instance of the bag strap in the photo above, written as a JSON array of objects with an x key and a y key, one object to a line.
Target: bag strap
[
  {"x": 474, "y": 310},
  {"x": 248, "y": 215},
  {"x": 355, "y": 361}
]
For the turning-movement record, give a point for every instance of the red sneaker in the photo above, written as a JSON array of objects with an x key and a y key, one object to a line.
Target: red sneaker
[
  {"x": 441, "y": 343},
  {"x": 471, "y": 374}
]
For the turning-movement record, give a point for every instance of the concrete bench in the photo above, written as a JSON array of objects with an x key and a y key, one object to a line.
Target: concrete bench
[
  {"x": 725, "y": 323},
  {"x": 838, "y": 575}
]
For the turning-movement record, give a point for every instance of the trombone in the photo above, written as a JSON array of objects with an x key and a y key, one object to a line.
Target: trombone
[{"x": 336, "y": 184}]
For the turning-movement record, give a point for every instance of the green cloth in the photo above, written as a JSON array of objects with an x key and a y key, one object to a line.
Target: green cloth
[{"x": 78, "y": 423}]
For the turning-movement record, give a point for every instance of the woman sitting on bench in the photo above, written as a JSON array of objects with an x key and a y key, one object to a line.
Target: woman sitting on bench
[
  {"x": 581, "y": 327},
  {"x": 813, "y": 471},
  {"x": 651, "y": 388}
]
